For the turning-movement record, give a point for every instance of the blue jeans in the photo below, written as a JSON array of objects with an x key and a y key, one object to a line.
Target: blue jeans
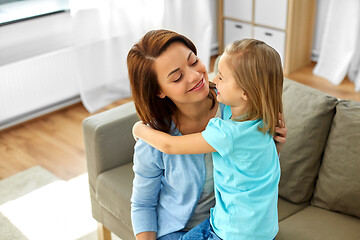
[
  {"x": 203, "y": 231},
  {"x": 172, "y": 236}
]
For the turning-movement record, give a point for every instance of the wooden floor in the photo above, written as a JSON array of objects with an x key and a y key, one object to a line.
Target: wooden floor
[
  {"x": 346, "y": 90},
  {"x": 55, "y": 141}
]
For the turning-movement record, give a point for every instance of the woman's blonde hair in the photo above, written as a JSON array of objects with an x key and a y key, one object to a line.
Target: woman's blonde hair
[{"x": 257, "y": 69}]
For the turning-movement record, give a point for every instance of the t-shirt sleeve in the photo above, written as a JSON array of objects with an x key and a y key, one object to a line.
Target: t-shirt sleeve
[{"x": 218, "y": 135}]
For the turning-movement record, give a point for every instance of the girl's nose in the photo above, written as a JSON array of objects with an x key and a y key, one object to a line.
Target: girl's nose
[{"x": 216, "y": 79}]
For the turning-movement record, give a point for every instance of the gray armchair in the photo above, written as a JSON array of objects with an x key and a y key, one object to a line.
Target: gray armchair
[{"x": 109, "y": 147}]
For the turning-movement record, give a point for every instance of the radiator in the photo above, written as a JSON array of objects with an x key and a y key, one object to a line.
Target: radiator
[{"x": 38, "y": 85}]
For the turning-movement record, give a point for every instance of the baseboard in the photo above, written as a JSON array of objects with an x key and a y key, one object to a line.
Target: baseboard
[{"x": 38, "y": 112}]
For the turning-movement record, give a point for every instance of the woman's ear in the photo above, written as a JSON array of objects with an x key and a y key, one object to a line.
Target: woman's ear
[{"x": 161, "y": 95}]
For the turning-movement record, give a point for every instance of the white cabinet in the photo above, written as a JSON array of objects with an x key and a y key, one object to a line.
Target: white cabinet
[
  {"x": 235, "y": 30},
  {"x": 239, "y": 9},
  {"x": 286, "y": 25},
  {"x": 272, "y": 13},
  {"x": 274, "y": 38}
]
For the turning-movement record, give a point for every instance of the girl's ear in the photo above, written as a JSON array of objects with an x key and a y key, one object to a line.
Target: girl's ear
[
  {"x": 244, "y": 96},
  {"x": 161, "y": 95}
]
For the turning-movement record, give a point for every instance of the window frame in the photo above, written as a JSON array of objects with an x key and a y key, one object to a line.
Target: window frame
[{"x": 27, "y": 7}]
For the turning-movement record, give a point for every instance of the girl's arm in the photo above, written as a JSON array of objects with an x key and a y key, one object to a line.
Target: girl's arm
[{"x": 186, "y": 144}]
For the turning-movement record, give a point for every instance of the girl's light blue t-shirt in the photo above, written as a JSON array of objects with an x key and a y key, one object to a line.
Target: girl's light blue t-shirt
[{"x": 246, "y": 178}]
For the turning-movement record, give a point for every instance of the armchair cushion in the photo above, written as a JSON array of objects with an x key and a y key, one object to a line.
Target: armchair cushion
[
  {"x": 318, "y": 224},
  {"x": 308, "y": 115},
  {"x": 338, "y": 185},
  {"x": 286, "y": 208},
  {"x": 113, "y": 192}
]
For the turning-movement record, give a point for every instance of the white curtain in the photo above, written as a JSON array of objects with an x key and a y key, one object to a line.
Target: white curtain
[
  {"x": 191, "y": 18},
  {"x": 105, "y": 30},
  {"x": 340, "y": 47}
]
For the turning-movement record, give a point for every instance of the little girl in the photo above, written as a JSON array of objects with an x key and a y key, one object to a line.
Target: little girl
[{"x": 246, "y": 163}]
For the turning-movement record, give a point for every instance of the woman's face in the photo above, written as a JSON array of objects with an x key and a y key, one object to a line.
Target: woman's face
[{"x": 182, "y": 77}]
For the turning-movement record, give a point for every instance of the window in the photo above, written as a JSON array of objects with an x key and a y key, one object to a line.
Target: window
[{"x": 19, "y": 10}]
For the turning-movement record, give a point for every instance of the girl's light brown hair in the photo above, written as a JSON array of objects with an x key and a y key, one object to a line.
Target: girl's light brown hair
[
  {"x": 257, "y": 69},
  {"x": 151, "y": 109}
]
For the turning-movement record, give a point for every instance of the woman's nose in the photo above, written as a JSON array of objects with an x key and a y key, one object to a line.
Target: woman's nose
[{"x": 194, "y": 76}]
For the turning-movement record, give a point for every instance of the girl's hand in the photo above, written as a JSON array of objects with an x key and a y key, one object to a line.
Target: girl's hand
[
  {"x": 280, "y": 133},
  {"x": 136, "y": 128}
]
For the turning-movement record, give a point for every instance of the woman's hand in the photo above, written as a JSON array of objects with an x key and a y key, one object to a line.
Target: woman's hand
[
  {"x": 135, "y": 129},
  {"x": 146, "y": 236},
  {"x": 280, "y": 133}
]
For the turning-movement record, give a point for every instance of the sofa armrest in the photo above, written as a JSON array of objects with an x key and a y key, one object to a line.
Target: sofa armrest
[{"x": 108, "y": 139}]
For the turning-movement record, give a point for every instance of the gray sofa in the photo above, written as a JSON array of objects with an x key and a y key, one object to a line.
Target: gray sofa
[{"x": 319, "y": 190}]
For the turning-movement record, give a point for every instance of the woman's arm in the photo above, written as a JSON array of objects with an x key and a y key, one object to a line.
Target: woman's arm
[
  {"x": 186, "y": 144},
  {"x": 148, "y": 171}
]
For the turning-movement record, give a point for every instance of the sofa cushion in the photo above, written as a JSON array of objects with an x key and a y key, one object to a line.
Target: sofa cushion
[
  {"x": 308, "y": 115},
  {"x": 113, "y": 192},
  {"x": 286, "y": 208},
  {"x": 338, "y": 184},
  {"x": 319, "y": 224}
]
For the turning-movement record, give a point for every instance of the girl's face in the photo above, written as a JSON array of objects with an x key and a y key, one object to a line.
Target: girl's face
[
  {"x": 229, "y": 91},
  {"x": 182, "y": 77}
]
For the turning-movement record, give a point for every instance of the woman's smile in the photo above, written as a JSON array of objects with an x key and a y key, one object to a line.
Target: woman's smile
[{"x": 198, "y": 86}]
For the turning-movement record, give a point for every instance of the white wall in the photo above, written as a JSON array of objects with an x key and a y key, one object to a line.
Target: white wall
[
  {"x": 38, "y": 73},
  {"x": 29, "y": 38}
]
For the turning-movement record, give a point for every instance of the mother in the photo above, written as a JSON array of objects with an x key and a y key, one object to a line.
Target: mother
[{"x": 172, "y": 93}]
